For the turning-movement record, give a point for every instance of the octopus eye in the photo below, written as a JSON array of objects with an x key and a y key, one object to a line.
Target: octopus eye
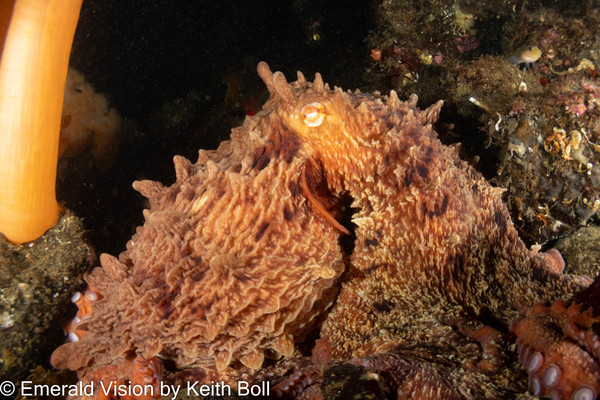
[{"x": 313, "y": 114}]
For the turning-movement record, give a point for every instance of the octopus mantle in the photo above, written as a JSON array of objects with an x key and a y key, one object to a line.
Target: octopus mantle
[{"x": 241, "y": 257}]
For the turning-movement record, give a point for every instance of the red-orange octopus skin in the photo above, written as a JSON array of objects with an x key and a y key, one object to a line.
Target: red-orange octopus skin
[
  {"x": 556, "y": 366},
  {"x": 238, "y": 258},
  {"x": 438, "y": 272}
]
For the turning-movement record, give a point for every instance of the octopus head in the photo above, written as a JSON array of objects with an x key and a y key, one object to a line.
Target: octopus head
[{"x": 333, "y": 127}]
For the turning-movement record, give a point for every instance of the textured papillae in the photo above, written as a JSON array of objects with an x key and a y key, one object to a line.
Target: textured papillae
[
  {"x": 439, "y": 282},
  {"x": 440, "y": 297},
  {"x": 231, "y": 262}
]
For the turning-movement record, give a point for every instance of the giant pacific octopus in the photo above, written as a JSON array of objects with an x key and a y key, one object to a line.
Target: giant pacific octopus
[
  {"x": 241, "y": 257},
  {"x": 226, "y": 267}
]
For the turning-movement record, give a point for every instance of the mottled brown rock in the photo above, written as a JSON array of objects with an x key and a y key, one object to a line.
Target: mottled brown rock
[
  {"x": 581, "y": 250},
  {"x": 36, "y": 281}
]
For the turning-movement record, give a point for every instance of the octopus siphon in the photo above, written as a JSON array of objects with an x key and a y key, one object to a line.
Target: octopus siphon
[{"x": 241, "y": 258}]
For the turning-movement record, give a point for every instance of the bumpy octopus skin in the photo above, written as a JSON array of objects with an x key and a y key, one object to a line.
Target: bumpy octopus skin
[
  {"x": 440, "y": 296},
  {"x": 440, "y": 285},
  {"x": 231, "y": 263}
]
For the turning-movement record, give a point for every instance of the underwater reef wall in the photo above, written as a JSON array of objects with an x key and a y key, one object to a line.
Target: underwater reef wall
[{"x": 521, "y": 87}]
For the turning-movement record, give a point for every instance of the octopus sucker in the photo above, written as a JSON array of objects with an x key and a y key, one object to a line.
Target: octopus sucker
[{"x": 241, "y": 259}]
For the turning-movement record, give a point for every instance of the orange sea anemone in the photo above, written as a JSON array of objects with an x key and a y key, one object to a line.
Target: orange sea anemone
[
  {"x": 33, "y": 70},
  {"x": 88, "y": 123}
]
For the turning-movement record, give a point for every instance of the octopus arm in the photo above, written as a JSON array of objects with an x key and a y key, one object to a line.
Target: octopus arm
[{"x": 559, "y": 346}]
